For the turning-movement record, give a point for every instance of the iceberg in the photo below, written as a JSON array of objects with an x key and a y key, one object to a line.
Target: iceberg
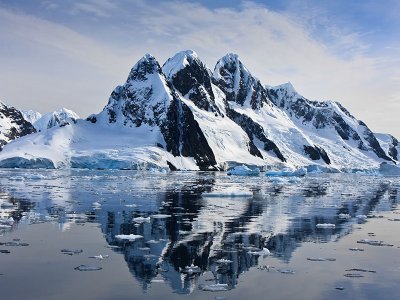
[
  {"x": 287, "y": 172},
  {"x": 244, "y": 171},
  {"x": 129, "y": 237}
]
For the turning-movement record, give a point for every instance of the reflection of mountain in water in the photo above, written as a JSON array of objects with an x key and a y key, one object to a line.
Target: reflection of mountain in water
[{"x": 180, "y": 228}]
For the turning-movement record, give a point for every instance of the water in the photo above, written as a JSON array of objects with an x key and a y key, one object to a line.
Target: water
[{"x": 147, "y": 235}]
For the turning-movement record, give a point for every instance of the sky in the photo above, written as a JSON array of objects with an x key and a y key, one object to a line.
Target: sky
[{"x": 65, "y": 53}]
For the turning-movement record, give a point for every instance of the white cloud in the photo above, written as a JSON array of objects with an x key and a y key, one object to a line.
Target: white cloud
[{"x": 276, "y": 47}]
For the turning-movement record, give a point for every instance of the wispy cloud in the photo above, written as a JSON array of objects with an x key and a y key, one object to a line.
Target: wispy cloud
[{"x": 329, "y": 63}]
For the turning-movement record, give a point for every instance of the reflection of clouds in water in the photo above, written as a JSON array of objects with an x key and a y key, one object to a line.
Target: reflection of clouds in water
[{"x": 179, "y": 227}]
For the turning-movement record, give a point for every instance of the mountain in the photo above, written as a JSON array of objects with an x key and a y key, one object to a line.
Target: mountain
[
  {"x": 12, "y": 124},
  {"x": 31, "y": 116},
  {"x": 185, "y": 116},
  {"x": 56, "y": 118}
]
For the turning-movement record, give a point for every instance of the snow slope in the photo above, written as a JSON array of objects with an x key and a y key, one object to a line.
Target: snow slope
[{"x": 184, "y": 116}]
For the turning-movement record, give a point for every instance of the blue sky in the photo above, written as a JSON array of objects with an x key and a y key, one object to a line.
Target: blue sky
[{"x": 73, "y": 53}]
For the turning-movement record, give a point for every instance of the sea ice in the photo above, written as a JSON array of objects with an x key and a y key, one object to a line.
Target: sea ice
[
  {"x": 263, "y": 252},
  {"x": 87, "y": 268},
  {"x": 326, "y": 226},
  {"x": 244, "y": 171},
  {"x": 218, "y": 287},
  {"x": 129, "y": 237},
  {"x": 287, "y": 172}
]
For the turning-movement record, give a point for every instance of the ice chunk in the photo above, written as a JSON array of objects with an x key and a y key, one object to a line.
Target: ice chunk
[
  {"x": 320, "y": 259},
  {"x": 286, "y": 271},
  {"x": 287, "y": 172},
  {"x": 360, "y": 270},
  {"x": 5, "y": 251},
  {"x": 71, "y": 251},
  {"x": 129, "y": 237},
  {"x": 160, "y": 216},
  {"x": 373, "y": 242},
  {"x": 87, "y": 268},
  {"x": 230, "y": 192},
  {"x": 326, "y": 226},
  {"x": 263, "y": 252},
  {"x": 356, "y": 249},
  {"x": 141, "y": 220},
  {"x": 223, "y": 261},
  {"x": 192, "y": 269},
  {"x": 344, "y": 216},
  {"x": 353, "y": 275},
  {"x": 244, "y": 171},
  {"x": 217, "y": 287},
  {"x": 99, "y": 257},
  {"x": 35, "y": 176}
]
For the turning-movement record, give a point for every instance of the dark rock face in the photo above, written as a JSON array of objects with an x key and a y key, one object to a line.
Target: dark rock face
[
  {"x": 194, "y": 81},
  {"x": 238, "y": 84},
  {"x": 255, "y": 130},
  {"x": 138, "y": 105},
  {"x": 322, "y": 115},
  {"x": 183, "y": 136},
  {"x": 19, "y": 126},
  {"x": 393, "y": 153},
  {"x": 316, "y": 153}
]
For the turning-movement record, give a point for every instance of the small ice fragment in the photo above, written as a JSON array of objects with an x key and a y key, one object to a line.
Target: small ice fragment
[
  {"x": 192, "y": 269},
  {"x": 96, "y": 205},
  {"x": 218, "y": 287},
  {"x": 344, "y": 216},
  {"x": 99, "y": 257},
  {"x": 243, "y": 171},
  {"x": 320, "y": 259},
  {"x": 129, "y": 237},
  {"x": 286, "y": 271},
  {"x": 160, "y": 216},
  {"x": 353, "y": 275},
  {"x": 141, "y": 220},
  {"x": 5, "y": 251},
  {"x": 326, "y": 226},
  {"x": 263, "y": 252},
  {"x": 361, "y": 217},
  {"x": 157, "y": 281},
  {"x": 87, "y": 268},
  {"x": 130, "y": 205},
  {"x": 223, "y": 261},
  {"x": 356, "y": 249},
  {"x": 71, "y": 251},
  {"x": 287, "y": 172},
  {"x": 360, "y": 270}
]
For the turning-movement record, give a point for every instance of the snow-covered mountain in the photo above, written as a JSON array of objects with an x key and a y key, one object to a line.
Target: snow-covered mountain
[
  {"x": 184, "y": 116},
  {"x": 59, "y": 117},
  {"x": 31, "y": 116},
  {"x": 12, "y": 124}
]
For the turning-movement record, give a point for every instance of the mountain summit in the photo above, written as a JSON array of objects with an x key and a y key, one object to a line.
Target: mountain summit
[{"x": 184, "y": 116}]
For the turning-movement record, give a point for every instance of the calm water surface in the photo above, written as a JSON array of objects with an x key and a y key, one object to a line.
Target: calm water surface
[{"x": 197, "y": 236}]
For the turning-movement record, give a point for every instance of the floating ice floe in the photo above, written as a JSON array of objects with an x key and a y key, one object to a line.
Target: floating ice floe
[
  {"x": 129, "y": 237},
  {"x": 141, "y": 220},
  {"x": 286, "y": 271},
  {"x": 356, "y": 249},
  {"x": 230, "y": 192},
  {"x": 71, "y": 251},
  {"x": 7, "y": 221},
  {"x": 160, "y": 216},
  {"x": 192, "y": 269},
  {"x": 344, "y": 216},
  {"x": 263, "y": 252},
  {"x": 87, "y": 268},
  {"x": 99, "y": 257},
  {"x": 373, "y": 243},
  {"x": 35, "y": 176},
  {"x": 320, "y": 259},
  {"x": 353, "y": 275},
  {"x": 360, "y": 270},
  {"x": 244, "y": 171},
  {"x": 326, "y": 226},
  {"x": 96, "y": 205},
  {"x": 287, "y": 172},
  {"x": 224, "y": 261},
  {"x": 217, "y": 287}
]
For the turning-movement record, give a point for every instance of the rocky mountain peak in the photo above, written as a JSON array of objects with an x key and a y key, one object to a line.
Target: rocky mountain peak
[{"x": 239, "y": 85}]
